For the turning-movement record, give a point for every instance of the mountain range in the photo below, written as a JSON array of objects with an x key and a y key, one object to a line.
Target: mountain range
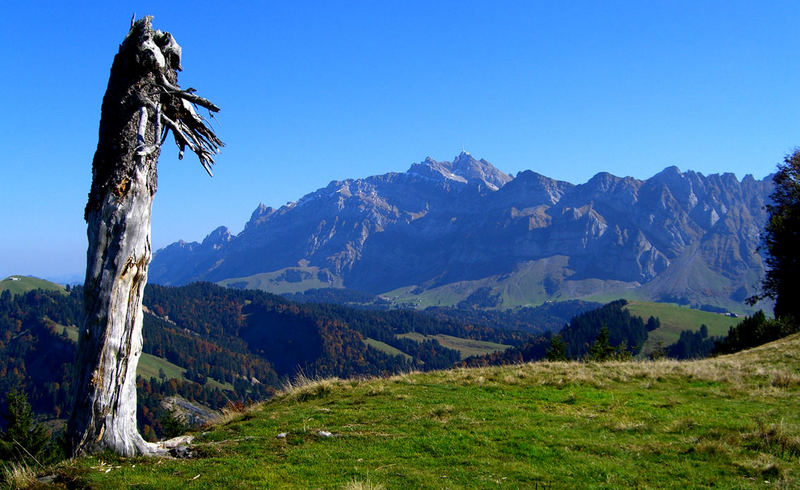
[{"x": 465, "y": 233}]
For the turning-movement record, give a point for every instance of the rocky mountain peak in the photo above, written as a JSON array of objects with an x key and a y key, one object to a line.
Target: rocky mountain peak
[
  {"x": 602, "y": 182},
  {"x": 464, "y": 168},
  {"x": 471, "y": 169},
  {"x": 531, "y": 188},
  {"x": 670, "y": 172},
  {"x": 433, "y": 169},
  {"x": 217, "y": 238},
  {"x": 260, "y": 214}
]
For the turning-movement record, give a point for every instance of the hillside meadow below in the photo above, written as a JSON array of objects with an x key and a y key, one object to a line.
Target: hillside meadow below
[
  {"x": 23, "y": 284},
  {"x": 730, "y": 421},
  {"x": 675, "y": 318}
]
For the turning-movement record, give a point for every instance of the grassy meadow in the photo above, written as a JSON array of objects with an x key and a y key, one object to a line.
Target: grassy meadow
[
  {"x": 386, "y": 348},
  {"x": 465, "y": 347},
  {"x": 23, "y": 284},
  {"x": 288, "y": 280},
  {"x": 731, "y": 421},
  {"x": 675, "y": 319}
]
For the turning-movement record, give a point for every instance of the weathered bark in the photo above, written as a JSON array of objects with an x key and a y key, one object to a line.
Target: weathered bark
[{"x": 141, "y": 103}]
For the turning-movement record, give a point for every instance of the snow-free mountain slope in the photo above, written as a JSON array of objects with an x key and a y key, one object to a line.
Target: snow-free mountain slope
[{"x": 465, "y": 225}]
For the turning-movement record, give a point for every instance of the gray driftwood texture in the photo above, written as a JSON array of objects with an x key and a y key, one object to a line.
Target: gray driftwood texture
[{"x": 142, "y": 103}]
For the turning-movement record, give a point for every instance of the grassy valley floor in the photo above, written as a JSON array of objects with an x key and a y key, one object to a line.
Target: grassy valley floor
[{"x": 732, "y": 422}]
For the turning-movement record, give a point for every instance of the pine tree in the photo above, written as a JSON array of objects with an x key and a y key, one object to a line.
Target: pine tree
[
  {"x": 23, "y": 438},
  {"x": 173, "y": 425},
  {"x": 557, "y": 351},
  {"x": 782, "y": 241},
  {"x": 601, "y": 349},
  {"x": 659, "y": 352}
]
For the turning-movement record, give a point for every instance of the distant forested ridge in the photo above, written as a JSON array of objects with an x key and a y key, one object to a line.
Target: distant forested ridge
[
  {"x": 692, "y": 345},
  {"x": 230, "y": 345},
  {"x": 626, "y": 332},
  {"x": 323, "y": 339},
  {"x": 341, "y": 296},
  {"x": 37, "y": 351},
  {"x": 755, "y": 330},
  {"x": 623, "y": 328},
  {"x": 550, "y": 316}
]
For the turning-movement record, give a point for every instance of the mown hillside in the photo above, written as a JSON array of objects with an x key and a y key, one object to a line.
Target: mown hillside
[
  {"x": 23, "y": 284},
  {"x": 731, "y": 421},
  {"x": 675, "y": 319}
]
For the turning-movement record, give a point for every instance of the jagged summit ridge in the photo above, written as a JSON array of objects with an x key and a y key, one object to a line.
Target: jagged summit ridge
[
  {"x": 465, "y": 222},
  {"x": 464, "y": 168}
]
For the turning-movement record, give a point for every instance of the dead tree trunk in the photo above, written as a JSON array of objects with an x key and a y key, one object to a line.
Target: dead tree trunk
[{"x": 142, "y": 102}]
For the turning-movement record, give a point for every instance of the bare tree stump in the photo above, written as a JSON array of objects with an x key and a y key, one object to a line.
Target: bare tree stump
[{"x": 142, "y": 103}]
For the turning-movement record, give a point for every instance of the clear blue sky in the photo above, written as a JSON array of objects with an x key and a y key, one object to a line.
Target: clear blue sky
[{"x": 319, "y": 91}]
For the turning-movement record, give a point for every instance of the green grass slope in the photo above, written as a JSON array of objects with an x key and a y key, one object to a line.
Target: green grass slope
[
  {"x": 288, "y": 280},
  {"x": 732, "y": 422},
  {"x": 692, "y": 278},
  {"x": 23, "y": 284},
  {"x": 675, "y": 319},
  {"x": 529, "y": 284},
  {"x": 386, "y": 348},
  {"x": 465, "y": 347}
]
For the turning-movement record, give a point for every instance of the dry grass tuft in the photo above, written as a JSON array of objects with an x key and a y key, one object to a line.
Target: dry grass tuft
[
  {"x": 734, "y": 370},
  {"x": 777, "y": 439},
  {"x": 304, "y": 387},
  {"x": 713, "y": 447},
  {"x": 477, "y": 380},
  {"x": 729, "y": 370},
  {"x": 627, "y": 425},
  {"x": 408, "y": 377},
  {"x": 570, "y": 399},
  {"x": 376, "y": 389},
  {"x": 762, "y": 466},
  {"x": 362, "y": 485},
  {"x": 442, "y": 411},
  {"x": 226, "y": 417},
  {"x": 784, "y": 379},
  {"x": 681, "y": 425},
  {"x": 19, "y": 475},
  {"x": 235, "y": 411}
]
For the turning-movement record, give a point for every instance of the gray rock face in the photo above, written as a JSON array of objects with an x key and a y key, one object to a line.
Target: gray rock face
[
  {"x": 445, "y": 222},
  {"x": 193, "y": 414},
  {"x": 463, "y": 169}
]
